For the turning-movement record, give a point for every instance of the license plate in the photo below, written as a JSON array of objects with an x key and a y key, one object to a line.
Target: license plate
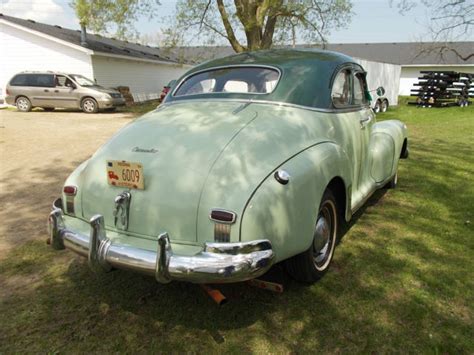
[{"x": 125, "y": 174}]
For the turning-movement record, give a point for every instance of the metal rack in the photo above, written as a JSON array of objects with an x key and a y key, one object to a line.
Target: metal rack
[{"x": 442, "y": 89}]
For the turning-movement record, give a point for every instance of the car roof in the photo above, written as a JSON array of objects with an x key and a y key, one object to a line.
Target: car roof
[
  {"x": 42, "y": 72},
  {"x": 306, "y": 75}
]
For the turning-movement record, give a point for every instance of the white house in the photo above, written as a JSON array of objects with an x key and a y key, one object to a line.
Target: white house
[{"x": 30, "y": 46}]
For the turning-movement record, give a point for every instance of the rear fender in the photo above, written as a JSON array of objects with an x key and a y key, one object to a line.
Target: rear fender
[{"x": 286, "y": 214}]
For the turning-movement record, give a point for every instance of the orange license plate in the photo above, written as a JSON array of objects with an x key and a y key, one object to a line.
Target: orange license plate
[{"x": 125, "y": 174}]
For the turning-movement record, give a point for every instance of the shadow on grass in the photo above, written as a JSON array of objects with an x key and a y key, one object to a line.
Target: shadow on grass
[{"x": 399, "y": 280}]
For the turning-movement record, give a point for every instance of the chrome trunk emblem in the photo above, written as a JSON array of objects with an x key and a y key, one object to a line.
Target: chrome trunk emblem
[{"x": 122, "y": 207}]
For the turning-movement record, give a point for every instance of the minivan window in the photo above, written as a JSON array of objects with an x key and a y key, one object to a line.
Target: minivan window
[
  {"x": 19, "y": 80},
  {"x": 82, "y": 80},
  {"x": 41, "y": 80},
  {"x": 247, "y": 80}
]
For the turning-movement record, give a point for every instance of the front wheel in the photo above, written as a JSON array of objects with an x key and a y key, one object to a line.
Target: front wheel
[
  {"x": 23, "y": 104},
  {"x": 89, "y": 105},
  {"x": 312, "y": 264},
  {"x": 384, "y": 106}
]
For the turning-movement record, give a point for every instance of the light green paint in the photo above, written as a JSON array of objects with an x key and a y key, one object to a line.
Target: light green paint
[{"x": 221, "y": 153}]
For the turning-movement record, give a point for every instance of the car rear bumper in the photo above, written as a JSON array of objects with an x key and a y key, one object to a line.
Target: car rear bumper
[
  {"x": 10, "y": 100},
  {"x": 215, "y": 263}
]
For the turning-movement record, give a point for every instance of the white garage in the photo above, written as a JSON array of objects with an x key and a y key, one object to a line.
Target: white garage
[{"x": 30, "y": 46}]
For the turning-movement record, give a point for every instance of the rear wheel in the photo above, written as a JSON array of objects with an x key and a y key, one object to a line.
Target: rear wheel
[
  {"x": 312, "y": 264},
  {"x": 89, "y": 105},
  {"x": 377, "y": 106},
  {"x": 23, "y": 104},
  {"x": 384, "y": 106}
]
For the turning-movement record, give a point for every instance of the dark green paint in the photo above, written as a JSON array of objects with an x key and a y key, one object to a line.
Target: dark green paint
[{"x": 306, "y": 75}]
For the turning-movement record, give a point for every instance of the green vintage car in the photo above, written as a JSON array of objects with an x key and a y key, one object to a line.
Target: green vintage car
[{"x": 252, "y": 159}]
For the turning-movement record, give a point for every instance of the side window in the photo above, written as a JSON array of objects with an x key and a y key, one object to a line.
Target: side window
[
  {"x": 43, "y": 80},
  {"x": 341, "y": 89},
  {"x": 359, "y": 89},
  {"x": 60, "y": 80},
  {"x": 19, "y": 80}
]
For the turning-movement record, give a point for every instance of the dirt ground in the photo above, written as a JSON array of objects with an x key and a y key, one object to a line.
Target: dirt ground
[{"x": 38, "y": 150}]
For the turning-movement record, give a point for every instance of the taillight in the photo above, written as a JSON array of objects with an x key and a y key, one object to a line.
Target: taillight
[
  {"x": 223, "y": 216},
  {"x": 70, "y": 190}
]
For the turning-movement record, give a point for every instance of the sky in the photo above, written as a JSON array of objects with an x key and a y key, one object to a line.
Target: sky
[{"x": 373, "y": 20}]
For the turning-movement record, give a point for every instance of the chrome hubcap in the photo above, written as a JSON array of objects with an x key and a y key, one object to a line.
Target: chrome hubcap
[
  {"x": 88, "y": 105},
  {"x": 324, "y": 236},
  {"x": 22, "y": 104}
]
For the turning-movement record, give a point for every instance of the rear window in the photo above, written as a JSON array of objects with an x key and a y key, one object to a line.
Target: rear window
[
  {"x": 42, "y": 80},
  {"x": 247, "y": 80}
]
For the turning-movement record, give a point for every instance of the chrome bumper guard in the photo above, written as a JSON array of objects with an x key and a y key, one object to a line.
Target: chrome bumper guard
[{"x": 216, "y": 263}]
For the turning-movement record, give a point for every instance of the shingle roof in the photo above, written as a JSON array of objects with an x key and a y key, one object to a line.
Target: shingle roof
[
  {"x": 97, "y": 43},
  {"x": 406, "y": 53}
]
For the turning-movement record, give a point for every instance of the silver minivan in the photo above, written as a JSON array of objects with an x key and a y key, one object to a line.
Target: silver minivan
[{"x": 50, "y": 90}]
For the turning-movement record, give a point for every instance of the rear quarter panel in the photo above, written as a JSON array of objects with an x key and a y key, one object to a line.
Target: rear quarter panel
[{"x": 286, "y": 214}]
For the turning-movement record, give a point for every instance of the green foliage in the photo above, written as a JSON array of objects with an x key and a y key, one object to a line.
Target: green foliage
[
  {"x": 103, "y": 16},
  {"x": 256, "y": 24},
  {"x": 401, "y": 281}
]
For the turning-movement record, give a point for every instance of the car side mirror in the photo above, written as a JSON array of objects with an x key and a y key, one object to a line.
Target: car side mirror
[{"x": 380, "y": 91}]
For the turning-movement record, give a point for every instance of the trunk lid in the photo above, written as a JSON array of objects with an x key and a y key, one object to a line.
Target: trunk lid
[{"x": 177, "y": 146}]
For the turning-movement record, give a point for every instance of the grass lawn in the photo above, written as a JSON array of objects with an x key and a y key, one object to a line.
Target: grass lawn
[
  {"x": 140, "y": 108},
  {"x": 402, "y": 279}
]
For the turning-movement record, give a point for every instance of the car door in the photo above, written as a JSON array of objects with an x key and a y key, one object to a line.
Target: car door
[
  {"x": 353, "y": 123},
  {"x": 366, "y": 121},
  {"x": 41, "y": 88},
  {"x": 64, "y": 95}
]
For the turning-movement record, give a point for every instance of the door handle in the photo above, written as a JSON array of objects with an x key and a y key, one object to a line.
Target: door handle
[
  {"x": 56, "y": 90},
  {"x": 365, "y": 121},
  {"x": 46, "y": 90}
]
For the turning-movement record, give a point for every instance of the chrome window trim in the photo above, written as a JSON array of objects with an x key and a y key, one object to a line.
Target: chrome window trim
[
  {"x": 225, "y": 67},
  {"x": 269, "y": 102}
]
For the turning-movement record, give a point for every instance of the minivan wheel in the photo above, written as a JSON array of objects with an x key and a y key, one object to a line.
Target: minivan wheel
[
  {"x": 23, "y": 104},
  {"x": 312, "y": 264},
  {"x": 89, "y": 105}
]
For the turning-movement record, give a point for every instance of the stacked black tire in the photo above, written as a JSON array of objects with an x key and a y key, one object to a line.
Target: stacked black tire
[{"x": 443, "y": 88}]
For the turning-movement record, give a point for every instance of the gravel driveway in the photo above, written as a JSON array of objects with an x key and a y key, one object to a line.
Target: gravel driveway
[{"x": 38, "y": 150}]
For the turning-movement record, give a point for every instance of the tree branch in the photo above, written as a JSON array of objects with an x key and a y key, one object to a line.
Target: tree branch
[{"x": 228, "y": 28}]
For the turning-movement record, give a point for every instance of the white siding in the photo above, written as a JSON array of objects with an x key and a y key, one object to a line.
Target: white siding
[
  {"x": 146, "y": 80},
  {"x": 410, "y": 75},
  {"x": 20, "y": 51},
  {"x": 382, "y": 74}
]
